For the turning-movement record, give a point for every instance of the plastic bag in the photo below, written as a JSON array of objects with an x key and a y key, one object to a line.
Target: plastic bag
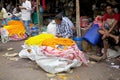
[
  {"x": 92, "y": 35},
  {"x": 28, "y": 52},
  {"x": 51, "y": 28},
  {"x": 4, "y": 35},
  {"x": 56, "y": 64},
  {"x": 111, "y": 53},
  {"x": 48, "y": 63}
]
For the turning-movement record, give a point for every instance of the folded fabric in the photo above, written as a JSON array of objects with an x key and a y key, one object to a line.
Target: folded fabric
[{"x": 70, "y": 53}]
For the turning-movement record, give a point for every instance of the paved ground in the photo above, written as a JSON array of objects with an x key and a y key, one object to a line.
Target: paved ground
[{"x": 24, "y": 69}]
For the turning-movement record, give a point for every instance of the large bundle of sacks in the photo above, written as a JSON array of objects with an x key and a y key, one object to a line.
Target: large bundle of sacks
[{"x": 53, "y": 54}]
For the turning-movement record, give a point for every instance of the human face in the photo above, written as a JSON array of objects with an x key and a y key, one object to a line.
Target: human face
[
  {"x": 109, "y": 9},
  {"x": 58, "y": 21}
]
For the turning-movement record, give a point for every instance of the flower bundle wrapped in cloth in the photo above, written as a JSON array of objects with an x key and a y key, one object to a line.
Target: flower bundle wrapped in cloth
[
  {"x": 53, "y": 54},
  {"x": 16, "y": 30},
  {"x": 63, "y": 47}
]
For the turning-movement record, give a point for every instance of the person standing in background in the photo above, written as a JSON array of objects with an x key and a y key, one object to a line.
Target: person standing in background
[
  {"x": 3, "y": 16},
  {"x": 26, "y": 14}
]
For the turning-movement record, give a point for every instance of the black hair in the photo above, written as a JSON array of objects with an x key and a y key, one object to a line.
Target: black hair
[
  {"x": 59, "y": 16},
  {"x": 109, "y": 5},
  {"x": 56, "y": 17}
]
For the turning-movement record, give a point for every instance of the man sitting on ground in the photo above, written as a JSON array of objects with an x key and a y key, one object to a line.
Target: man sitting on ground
[{"x": 110, "y": 24}]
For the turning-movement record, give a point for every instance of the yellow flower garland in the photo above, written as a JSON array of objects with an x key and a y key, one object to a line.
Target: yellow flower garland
[
  {"x": 37, "y": 40},
  {"x": 15, "y": 27},
  {"x": 52, "y": 42}
]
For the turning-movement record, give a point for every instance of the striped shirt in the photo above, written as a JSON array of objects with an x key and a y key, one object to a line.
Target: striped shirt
[{"x": 64, "y": 29}]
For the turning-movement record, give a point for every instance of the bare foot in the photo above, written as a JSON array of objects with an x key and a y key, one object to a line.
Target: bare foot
[
  {"x": 104, "y": 57},
  {"x": 117, "y": 39}
]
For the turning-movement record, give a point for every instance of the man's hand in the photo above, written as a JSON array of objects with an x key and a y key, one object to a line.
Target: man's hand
[
  {"x": 21, "y": 7},
  {"x": 59, "y": 36},
  {"x": 107, "y": 33}
]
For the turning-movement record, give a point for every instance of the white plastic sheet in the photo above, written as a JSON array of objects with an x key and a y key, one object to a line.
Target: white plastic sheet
[
  {"x": 48, "y": 63},
  {"x": 111, "y": 53}
]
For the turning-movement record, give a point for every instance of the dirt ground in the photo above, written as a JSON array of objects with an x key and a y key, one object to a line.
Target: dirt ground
[{"x": 24, "y": 69}]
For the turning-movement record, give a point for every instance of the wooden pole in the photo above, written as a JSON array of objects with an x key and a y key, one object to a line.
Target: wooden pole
[
  {"x": 78, "y": 18},
  {"x": 38, "y": 14}
]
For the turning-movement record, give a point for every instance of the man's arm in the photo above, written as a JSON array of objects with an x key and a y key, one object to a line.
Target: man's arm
[
  {"x": 28, "y": 7},
  {"x": 113, "y": 26},
  {"x": 103, "y": 26}
]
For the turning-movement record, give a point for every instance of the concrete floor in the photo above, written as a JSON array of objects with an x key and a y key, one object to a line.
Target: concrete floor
[{"x": 24, "y": 69}]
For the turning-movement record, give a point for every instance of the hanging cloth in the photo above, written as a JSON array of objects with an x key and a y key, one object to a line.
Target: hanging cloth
[{"x": 43, "y": 4}]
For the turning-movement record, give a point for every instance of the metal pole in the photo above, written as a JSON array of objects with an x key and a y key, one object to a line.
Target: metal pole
[{"x": 78, "y": 18}]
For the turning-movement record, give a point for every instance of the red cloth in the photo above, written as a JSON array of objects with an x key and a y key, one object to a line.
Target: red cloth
[
  {"x": 98, "y": 20},
  {"x": 43, "y": 4},
  {"x": 115, "y": 16}
]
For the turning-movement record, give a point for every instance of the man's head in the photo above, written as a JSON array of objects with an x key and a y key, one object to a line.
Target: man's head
[
  {"x": 58, "y": 19},
  {"x": 109, "y": 9},
  {"x": 23, "y": 0}
]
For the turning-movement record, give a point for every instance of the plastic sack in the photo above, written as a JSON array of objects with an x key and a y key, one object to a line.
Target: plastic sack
[
  {"x": 55, "y": 64},
  {"x": 51, "y": 28},
  {"x": 92, "y": 35},
  {"x": 111, "y": 53},
  {"x": 4, "y": 35},
  {"x": 26, "y": 54},
  {"x": 51, "y": 64}
]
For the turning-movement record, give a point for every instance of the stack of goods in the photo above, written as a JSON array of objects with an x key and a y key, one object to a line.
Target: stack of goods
[
  {"x": 53, "y": 54},
  {"x": 16, "y": 30}
]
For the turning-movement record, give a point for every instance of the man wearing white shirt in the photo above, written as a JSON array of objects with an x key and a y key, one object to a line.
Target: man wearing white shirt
[{"x": 26, "y": 14}]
